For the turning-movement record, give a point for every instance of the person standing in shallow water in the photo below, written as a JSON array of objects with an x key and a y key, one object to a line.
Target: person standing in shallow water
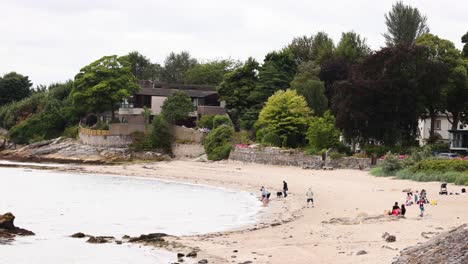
[{"x": 285, "y": 189}]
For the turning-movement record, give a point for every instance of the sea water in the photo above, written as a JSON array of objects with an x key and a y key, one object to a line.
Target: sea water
[{"x": 56, "y": 205}]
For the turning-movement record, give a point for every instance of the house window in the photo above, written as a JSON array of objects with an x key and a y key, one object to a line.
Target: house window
[{"x": 437, "y": 125}]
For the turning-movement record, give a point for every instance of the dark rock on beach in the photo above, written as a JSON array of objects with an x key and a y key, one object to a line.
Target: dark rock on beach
[
  {"x": 192, "y": 254},
  {"x": 99, "y": 240},
  {"x": 78, "y": 235},
  {"x": 449, "y": 247},
  {"x": 8, "y": 230}
]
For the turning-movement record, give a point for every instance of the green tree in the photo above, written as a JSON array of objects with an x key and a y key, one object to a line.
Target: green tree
[
  {"x": 464, "y": 40},
  {"x": 176, "y": 66},
  {"x": 146, "y": 113},
  {"x": 451, "y": 90},
  {"x": 211, "y": 73},
  {"x": 285, "y": 113},
  {"x": 99, "y": 86},
  {"x": 160, "y": 137},
  {"x": 235, "y": 90},
  {"x": 206, "y": 121},
  {"x": 177, "y": 107},
  {"x": 220, "y": 120},
  {"x": 142, "y": 67},
  {"x": 218, "y": 143},
  {"x": 322, "y": 47},
  {"x": 301, "y": 49},
  {"x": 14, "y": 87},
  {"x": 404, "y": 24},
  {"x": 307, "y": 84},
  {"x": 322, "y": 133},
  {"x": 352, "y": 47}
]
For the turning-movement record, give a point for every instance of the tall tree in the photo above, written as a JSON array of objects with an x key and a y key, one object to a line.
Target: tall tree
[
  {"x": 307, "y": 84},
  {"x": 331, "y": 71},
  {"x": 175, "y": 67},
  {"x": 102, "y": 84},
  {"x": 301, "y": 49},
  {"x": 211, "y": 73},
  {"x": 352, "y": 47},
  {"x": 465, "y": 47},
  {"x": 235, "y": 90},
  {"x": 14, "y": 87},
  {"x": 142, "y": 67},
  {"x": 322, "y": 47},
  {"x": 379, "y": 102},
  {"x": 404, "y": 24},
  {"x": 453, "y": 90}
]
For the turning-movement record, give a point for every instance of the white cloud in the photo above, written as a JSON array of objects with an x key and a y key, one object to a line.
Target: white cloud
[{"x": 50, "y": 40}]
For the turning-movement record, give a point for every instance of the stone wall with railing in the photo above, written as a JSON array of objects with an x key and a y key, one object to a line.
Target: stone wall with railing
[{"x": 102, "y": 138}]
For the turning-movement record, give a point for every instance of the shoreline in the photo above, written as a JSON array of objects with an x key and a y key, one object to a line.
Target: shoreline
[{"x": 287, "y": 232}]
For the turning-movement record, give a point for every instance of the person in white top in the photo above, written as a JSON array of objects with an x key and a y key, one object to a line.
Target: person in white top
[{"x": 310, "y": 197}]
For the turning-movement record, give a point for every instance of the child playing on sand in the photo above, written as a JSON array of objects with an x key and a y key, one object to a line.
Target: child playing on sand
[
  {"x": 310, "y": 197},
  {"x": 421, "y": 206}
]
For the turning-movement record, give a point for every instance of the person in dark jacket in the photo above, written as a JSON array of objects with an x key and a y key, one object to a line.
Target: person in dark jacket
[{"x": 285, "y": 189}]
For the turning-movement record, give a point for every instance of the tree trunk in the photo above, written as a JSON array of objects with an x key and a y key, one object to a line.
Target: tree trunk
[
  {"x": 456, "y": 120},
  {"x": 112, "y": 112},
  {"x": 431, "y": 130}
]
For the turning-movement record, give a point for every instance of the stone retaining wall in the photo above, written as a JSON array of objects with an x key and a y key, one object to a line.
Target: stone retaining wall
[
  {"x": 105, "y": 141},
  {"x": 285, "y": 157},
  {"x": 187, "y": 150}
]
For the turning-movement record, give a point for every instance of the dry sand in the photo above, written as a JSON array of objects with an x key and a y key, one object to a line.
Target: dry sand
[{"x": 344, "y": 196}]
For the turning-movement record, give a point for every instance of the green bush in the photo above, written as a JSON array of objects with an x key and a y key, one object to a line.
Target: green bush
[
  {"x": 242, "y": 137},
  {"x": 220, "y": 120},
  {"x": 206, "y": 121},
  {"x": 160, "y": 137},
  {"x": 336, "y": 155},
  {"x": 272, "y": 139},
  {"x": 380, "y": 151},
  {"x": 391, "y": 163},
  {"x": 140, "y": 141},
  {"x": 71, "y": 132},
  {"x": 322, "y": 132},
  {"x": 440, "y": 165},
  {"x": 218, "y": 142}
]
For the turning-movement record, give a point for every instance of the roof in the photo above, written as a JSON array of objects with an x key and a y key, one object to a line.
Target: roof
[{"x": 166, "y": 92}]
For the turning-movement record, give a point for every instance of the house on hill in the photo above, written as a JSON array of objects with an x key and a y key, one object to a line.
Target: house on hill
[
  {"x": 458, "y": 139},
  {"x": 152, "y": 95}
]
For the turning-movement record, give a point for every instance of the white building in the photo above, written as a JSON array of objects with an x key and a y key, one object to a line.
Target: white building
[{"x": 441, "y": 128}]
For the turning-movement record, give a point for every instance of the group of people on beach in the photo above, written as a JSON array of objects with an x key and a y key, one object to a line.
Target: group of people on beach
[
  {"x": 419, "y": 198},
  {"x": 266, "y": 194}
]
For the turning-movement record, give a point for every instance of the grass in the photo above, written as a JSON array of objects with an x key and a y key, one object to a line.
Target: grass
[{"x": 459, "y": 178}]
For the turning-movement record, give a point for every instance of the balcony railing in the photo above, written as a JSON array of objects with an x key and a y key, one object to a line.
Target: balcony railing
[{"x": 130, "y": 111}]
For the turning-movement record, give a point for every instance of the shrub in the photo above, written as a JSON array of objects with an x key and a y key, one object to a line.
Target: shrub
[
  {"x": 160, "y": 137},
  {"x": 441, "y": 165},
  {"x": 322, "y": 132},
  {"x": 206, "y": 121},
  {"x": 380, "y": 151},
  {"x": 272, "y": 139},
  {"x": 101, "y": 126},
  {"x": 391, "y": 163},
  {"x": 242, "y": 137},
  {"x": 177, "y": 107},
  {"x": 336, "y": 155},
  {"x": 220, "y": 120},
  {"x": 140, "y": 141},
  {"x": 218, "y": 142},
  {"x": 71, "y": 132}
]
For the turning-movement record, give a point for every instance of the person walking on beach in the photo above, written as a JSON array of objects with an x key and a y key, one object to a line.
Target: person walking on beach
[
  {"x": 421, "y": 206},
  {"x": 310, "y": 197},
  {"x": 285, "y": 189}
]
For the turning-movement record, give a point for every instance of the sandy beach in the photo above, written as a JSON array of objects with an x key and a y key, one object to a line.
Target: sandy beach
[{"x": 347, "y": 217}]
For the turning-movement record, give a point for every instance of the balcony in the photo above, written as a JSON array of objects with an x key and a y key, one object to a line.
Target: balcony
[
  {"x": 130, "y": 111},
  {"x": 211, "y": 110}
]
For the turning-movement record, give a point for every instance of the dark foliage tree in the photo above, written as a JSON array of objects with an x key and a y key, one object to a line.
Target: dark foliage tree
[
  {"x": 160, "y": 136},
  {"x": 352, "y": 47},
  {"x": 380, "y": 100},
  {"x": 235, "y": 90},
  {"x": 404, "y": 24},
  {"x": 142, "y": 67},
  {"x": 14, "y": 87},
  {"x": 333, "y": 70},
  {"x": 464, "y": 40},
  {"x": 176, "y": 66}
]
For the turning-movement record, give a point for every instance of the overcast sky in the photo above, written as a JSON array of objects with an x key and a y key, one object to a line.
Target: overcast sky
[{"x": 50, "y": 40}]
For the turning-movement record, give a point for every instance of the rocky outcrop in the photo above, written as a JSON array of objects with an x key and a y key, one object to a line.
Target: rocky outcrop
[
  {"x": 71, "y": 151},
  {"x": 450, "y": 247},
  {"x": 8, "y": 230}
]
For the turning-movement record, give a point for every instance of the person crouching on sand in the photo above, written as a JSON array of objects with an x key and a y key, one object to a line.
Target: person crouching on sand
[{"x": 310, "y": 197}]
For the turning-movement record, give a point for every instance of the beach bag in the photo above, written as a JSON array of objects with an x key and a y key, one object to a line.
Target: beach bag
[{"x": 434, "y": 202}]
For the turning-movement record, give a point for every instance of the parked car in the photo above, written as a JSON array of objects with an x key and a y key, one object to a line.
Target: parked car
[{"x": 446, "y": 155}]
